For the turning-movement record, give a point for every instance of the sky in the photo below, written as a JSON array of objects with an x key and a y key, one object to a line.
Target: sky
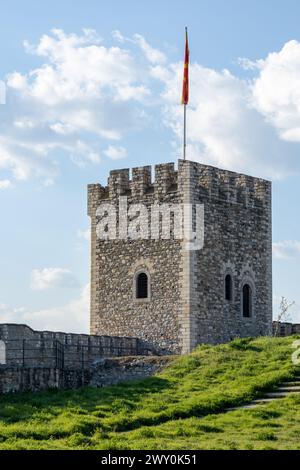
[{"x": 93, "y": 86}]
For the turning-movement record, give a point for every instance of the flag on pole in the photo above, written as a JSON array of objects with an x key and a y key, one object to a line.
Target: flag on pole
[{"x": 185, "y": 88}]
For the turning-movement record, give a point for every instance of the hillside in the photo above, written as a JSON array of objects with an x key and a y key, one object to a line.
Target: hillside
[{"x": 180, "y": 408}]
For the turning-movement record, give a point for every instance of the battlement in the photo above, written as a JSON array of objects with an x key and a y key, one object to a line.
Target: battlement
[
  {"x": 96, "y": 193},
  {"x": 166, "y": 178},
  {"x": 118, "y": 183},
  {"x": 141, "y": 181},
  {"x": 227, "y": 186},
  {"x": 212, "y": 184}
]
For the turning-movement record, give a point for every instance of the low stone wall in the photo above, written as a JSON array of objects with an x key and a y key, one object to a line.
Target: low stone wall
[
  {"x": 24, "y": 379},
  {"x": 113, "y": 371},
  {"x": 104, "y": 372},
  {"x": 28, "y": 348},
  {"x": 285, "y": 328}
]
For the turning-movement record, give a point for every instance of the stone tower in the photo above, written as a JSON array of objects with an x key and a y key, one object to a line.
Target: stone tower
[{"x": 174, "y": 298}]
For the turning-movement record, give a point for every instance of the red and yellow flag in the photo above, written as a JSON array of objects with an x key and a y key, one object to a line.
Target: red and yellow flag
[{"x": 185, "y": 88}]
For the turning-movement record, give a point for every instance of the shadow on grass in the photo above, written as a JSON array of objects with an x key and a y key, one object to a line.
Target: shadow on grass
[
  {"x": 86, "y": 400},
  {"x": 245, "y": 344}
]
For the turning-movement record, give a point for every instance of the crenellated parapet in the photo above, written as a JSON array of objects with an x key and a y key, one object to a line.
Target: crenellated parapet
[
  {"x": 135, "y": 183},
  {"x": 212, "y": 184},
  {"x": 215, "y": 184}
]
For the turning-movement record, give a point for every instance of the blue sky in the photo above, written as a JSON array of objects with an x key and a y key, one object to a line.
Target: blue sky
[{"x": 95, "y": 85}]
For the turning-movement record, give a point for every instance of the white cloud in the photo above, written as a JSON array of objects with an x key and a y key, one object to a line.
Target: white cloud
[
  {"x": 24, "y": 159},
  {"x": 49, "y": 278},
  {"x": 81, "y": 153},
  {"x": 86, "y": 96},
  {"x": 286, "y": 249},
  {"x": 115, "y": 153},
  {"x": 118, "y": 36},
  {"x": 82, "y": 94},
  {"x": 5, "y": 184},
  {"x": 154, "y": 56},
  {"x": 17, "y": 81},
  {"x": 72, "y": 317},
  {"x": 223, "y": 127},
  {"x": 276, "y": 92},
  {"x": 76, "y": 68}
]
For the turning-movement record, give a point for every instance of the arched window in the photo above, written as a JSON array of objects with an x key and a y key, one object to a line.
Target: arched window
[
  {"x": 247, "y": 301},
  {"x": 228, "y": 287},
  {"x": 142, "y": 286},
  {"x": 2, "y": 353}
]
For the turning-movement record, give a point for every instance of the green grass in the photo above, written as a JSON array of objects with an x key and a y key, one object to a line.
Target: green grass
[
  {"x": 274, "y": 426},
  {"x": 180, "y": 408}
]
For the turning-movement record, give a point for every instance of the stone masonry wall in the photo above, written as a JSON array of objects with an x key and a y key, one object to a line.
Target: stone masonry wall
[
  {"x": 25, "y": 346},
  {"x": 35, "y": 379},
  {"x": 113, "y": 371},
  {"x": 114, "y": 310},
  {"x": 285, "y": 328},
  {"x": 104, "y": 372},
  {"x": 187, "y": 303},
  {"x": 238, "y": 241}
]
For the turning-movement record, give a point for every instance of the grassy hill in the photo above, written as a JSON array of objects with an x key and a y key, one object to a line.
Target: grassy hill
[{"x": 180, "y": 408}]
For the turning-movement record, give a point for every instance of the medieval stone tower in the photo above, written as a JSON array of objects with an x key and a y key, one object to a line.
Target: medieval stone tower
[{"x": 172, "y": 297}]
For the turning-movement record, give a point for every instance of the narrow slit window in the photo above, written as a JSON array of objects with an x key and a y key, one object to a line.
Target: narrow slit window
[
  {"x": 247, "y": 301},
  {"x": 142, "y": 286},
  {"x": 228, "y": 287}
]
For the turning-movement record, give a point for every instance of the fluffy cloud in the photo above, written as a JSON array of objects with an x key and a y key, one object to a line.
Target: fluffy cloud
[
  {"x": 86, "y": 96},
  {"x": 286, "y": 249},
  {"x": 72, "y": 317},
  {"x": 77, "y": 68},
  {"x": 154, "y": 56},
  {"x": 115, "y": 153},
  {"x": 276, "y": 92},
  {"x": 49, "y": 278},
  {"x": 82, "y": 95},
  {"x": 224, "y": 127},
  {"x": 25, "y": 159}
]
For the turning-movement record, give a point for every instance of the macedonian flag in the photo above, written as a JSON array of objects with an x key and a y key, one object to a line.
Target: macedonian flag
[{"x": 185, "y": 88}]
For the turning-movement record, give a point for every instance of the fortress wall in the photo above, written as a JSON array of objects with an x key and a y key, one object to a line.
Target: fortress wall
[
  {"x": 34, "y": 379},
  {"x": 107, "y": 371},
  {"x": 285, "y": 328},
  {"x": 25, "y": 346}
]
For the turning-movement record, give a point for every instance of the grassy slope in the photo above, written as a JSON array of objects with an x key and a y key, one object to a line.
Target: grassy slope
[{"x": 163, "y": 412}]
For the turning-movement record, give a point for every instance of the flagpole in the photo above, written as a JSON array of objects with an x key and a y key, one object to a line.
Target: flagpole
[
  {"x": 185, "y": 91},
  {"x": 184, "y": 133}
]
